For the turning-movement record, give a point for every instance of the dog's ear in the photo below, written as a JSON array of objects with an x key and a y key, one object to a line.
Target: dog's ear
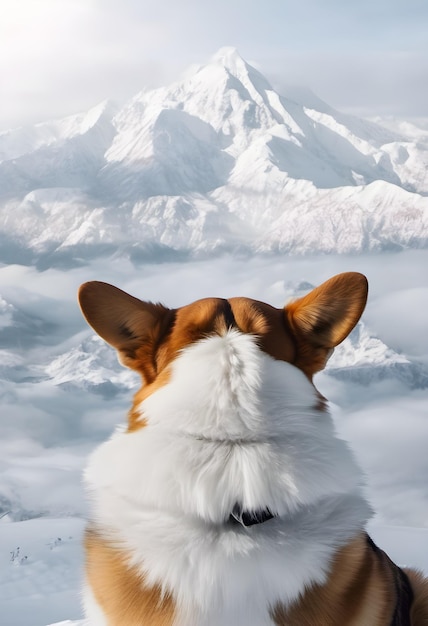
[
  {"x": 326, "y": 315},
  {"x": 128, "y": 324}
]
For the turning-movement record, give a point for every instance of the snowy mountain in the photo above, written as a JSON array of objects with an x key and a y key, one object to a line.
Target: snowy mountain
[
  {"x": 217, "y": 161},
  {"x": 93, "y": 366},
  {"x": 364, "y": 358}
]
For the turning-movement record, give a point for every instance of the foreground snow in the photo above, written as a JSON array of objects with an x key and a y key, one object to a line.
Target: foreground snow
[{"x": 41, "y": 571}]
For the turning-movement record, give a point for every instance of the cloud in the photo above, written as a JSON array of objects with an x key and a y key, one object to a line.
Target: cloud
[
  {"x": 57, "y": 58},
  {"x": 60, "y": 58},
  {"x": 401, "y": 318},
  {"x": 388, "y": 431},
  {"x": 366, "y": 83}
]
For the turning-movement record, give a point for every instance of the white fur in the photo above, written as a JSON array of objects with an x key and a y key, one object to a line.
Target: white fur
[
  {"x": 93, "y": 612},
  {"x": 233, "y": 425}
]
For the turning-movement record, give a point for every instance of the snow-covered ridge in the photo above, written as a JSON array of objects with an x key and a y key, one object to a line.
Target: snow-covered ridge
[
  {"x": 24, "y": 140},
  {"x": 91, "y": 365},
  {"x": 216, "y": 161},
  {"x": 365, "y": 359}
]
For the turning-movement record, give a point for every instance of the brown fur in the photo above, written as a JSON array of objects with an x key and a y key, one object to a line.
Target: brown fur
[
  {"x": 360, "y": 588},
  {"x": 120, "y": 590},
  {"x": 358, "y": 592},
  {"x": 419, "y": 613}
]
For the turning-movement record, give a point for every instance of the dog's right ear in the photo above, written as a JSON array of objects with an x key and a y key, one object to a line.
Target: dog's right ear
[
  {"x": 130, "y": 325},
  {"x": 325, "y": 316}
]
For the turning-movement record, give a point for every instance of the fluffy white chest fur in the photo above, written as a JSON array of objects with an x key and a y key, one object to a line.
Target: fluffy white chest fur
[{"x": 232, "y": 426}]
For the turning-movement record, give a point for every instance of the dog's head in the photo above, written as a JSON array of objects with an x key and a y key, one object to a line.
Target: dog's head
[
  {"x": 149, "y": 337},
  {"x": 227, "y": 417}
]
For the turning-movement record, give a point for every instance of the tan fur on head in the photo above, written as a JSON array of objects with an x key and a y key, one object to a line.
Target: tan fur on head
[{"x": 148, "y": 336}]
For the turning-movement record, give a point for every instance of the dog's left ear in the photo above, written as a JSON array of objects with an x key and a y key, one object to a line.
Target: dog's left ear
[
  {"x": 130, "y": 325},
  {"x": 326, "y": 315}
]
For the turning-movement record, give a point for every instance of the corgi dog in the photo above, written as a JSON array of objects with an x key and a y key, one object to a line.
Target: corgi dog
[{"x": 228, "y": 499}]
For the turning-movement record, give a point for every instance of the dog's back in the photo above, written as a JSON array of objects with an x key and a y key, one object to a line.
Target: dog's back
[{"x": 229, "y": 499}]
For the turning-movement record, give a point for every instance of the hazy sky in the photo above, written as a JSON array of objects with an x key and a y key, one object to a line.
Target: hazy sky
[{"x": 62, "y": 56}]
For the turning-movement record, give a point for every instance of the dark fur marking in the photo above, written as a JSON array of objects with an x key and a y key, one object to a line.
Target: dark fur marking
[
  {"x": 228, "y": 315},
  {"x": 126, "y": 332},
  {"x": 403, "y": 590}
]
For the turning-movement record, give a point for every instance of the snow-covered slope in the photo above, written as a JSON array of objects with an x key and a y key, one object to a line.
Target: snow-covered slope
[
  {"x": 93, "y": 366},
  {"x": 364, "y": 358},
  {"x": 218, "y": 160}
]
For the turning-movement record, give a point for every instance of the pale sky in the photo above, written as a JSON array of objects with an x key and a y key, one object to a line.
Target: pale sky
[{"x": 59, "y": 57}]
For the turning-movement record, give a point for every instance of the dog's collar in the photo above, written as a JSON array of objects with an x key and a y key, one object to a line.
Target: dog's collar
[{"x": 249, "y": 518}]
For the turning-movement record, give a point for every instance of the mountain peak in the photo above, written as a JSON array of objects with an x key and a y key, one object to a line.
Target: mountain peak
[{"x": 229, "y": 58}]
